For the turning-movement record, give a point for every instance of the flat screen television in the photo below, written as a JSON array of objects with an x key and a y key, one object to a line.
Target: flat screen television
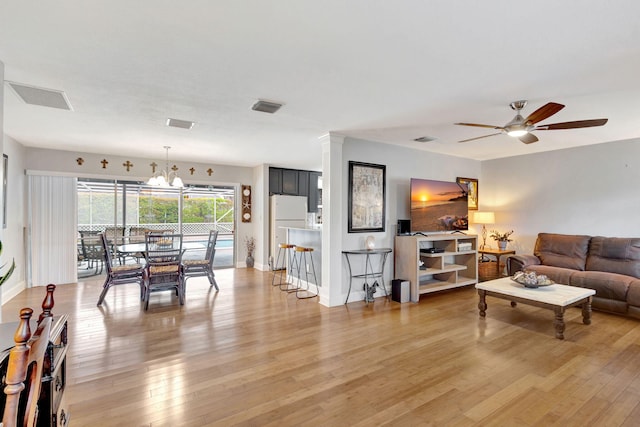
[{"x": 438, "y": 206}]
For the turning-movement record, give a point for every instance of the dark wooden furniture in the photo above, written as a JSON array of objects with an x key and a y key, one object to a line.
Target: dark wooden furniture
[
  {"x": 24, "y": 371},
  {"x": 203, "y": 266},
  {"x": 52, "y": 409},
  {"x": 163, "y": 270},
  {"x": 119, "y": 274}
]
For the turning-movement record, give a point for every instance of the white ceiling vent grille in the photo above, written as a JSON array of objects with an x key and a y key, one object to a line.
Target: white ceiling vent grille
[
  {"x": 40, "y": 96},
  {"x": 266, "y": 107},
  {"x": 182, "y": 124}
]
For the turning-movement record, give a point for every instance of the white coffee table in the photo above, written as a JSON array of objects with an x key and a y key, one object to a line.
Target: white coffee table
[{"x": 554, "y": 297}]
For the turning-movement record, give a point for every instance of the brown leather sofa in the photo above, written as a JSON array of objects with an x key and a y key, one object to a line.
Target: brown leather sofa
[{"x": 609, "y": 265}]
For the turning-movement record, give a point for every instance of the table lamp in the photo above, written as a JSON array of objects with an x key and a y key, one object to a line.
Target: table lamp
[{"x": 484, "y": 218}]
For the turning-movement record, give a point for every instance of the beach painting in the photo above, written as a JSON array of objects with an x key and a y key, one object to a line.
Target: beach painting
[{"x": 438, "y": 206}]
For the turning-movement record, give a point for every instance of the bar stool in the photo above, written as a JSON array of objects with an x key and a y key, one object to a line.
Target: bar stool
[
  {"x": 302, "y": 251},
  {"x": 285, "y": 264}
]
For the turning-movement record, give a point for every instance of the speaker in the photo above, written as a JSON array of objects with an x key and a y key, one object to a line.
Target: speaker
[
  {"x": 404, "y": 227},
  {"x": 400, "y": 290}
]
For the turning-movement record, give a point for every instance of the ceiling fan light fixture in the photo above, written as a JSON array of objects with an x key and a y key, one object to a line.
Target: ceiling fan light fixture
[
  {"x": 167, "y": 177},
  {"x": 517, "y": 133}
]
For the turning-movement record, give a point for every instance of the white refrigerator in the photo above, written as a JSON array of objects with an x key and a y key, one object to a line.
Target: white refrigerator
[{"x": 286, "y": 211}]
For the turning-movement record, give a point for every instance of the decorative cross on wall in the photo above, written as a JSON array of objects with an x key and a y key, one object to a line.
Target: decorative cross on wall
[
  {"x": 209, "y": 171},
  {"x": 153, "y": 165},
  {"x": 104, "y": 163},
  {"x": 192, "y": 170},
  {"x": 174, "y": 168},
  {"x": 127, "y": 165}
]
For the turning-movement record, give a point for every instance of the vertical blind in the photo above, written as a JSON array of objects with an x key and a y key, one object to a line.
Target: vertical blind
[{"x": 52, "y": 221}]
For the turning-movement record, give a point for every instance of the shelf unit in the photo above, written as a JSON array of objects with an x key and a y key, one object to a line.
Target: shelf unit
[{"x": 448, "y": 269}]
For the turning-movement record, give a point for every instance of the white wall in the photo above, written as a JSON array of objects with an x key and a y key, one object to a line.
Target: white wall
[
  {"x": 64, "y": 162},
  {"x": 12, "y": 236},
  {"x": 592, "y": 190},
  {"x": 402, "y": 164}
]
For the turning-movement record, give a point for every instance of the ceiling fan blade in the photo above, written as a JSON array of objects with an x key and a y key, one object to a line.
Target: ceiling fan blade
[
  {"x": 528, "y": 138},
  {"x": 573, "y": 125},
  {"x": 544, "y": 112},
  {"x": 480, "y": 137},
  {"x": 478, "y": 125}
]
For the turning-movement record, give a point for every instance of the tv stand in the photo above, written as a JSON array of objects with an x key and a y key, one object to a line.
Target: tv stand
[{"x": 447, "y": 263}]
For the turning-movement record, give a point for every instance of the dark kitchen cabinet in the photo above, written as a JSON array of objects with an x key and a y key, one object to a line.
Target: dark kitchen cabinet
[
  {"x": 303, "y": 183},
  {"x": 296, "y": 182},
  {"x": 313, "y": 200},
  {"x": 290, "y": 182},
  {"x": 275, "y": 181}
]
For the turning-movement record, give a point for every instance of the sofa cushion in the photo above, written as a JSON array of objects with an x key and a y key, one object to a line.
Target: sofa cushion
[
  {"x": 607, "y": 285},
  {"x": 562, "y": 250},
  {"x": 615, "y": 255}
]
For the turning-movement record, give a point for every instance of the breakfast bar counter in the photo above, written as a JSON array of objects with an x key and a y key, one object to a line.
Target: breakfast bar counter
[{"x": 309, "y": 238}]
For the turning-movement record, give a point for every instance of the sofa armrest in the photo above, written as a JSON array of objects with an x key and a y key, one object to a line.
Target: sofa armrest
[{"x": 520, "y": 262}]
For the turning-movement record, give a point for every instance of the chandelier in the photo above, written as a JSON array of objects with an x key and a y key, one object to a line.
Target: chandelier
[{"x": 167, "y": 177}]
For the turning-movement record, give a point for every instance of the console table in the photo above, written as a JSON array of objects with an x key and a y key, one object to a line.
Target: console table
[
  {"x": 52, "y": 411},
  {"x": 369, "y": 271},
  {"x": 436, "y": 262}
]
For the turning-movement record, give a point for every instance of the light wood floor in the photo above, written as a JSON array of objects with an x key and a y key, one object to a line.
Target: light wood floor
[{"x": 252, "y": 355}]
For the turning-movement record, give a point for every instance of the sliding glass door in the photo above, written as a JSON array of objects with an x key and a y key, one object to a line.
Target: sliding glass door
[{"x": 128, "y": 209}]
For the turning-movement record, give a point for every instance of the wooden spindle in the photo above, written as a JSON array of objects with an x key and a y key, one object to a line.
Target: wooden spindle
[
  {"x": 17, "y": 368},
  {"x": 47, "y": 303}
]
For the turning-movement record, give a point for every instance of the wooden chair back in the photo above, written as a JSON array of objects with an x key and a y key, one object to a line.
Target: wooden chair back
[{"x": 24, "y": 370}]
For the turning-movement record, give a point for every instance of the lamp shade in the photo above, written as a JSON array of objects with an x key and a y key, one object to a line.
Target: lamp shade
[{"x": 484, "y": 218}]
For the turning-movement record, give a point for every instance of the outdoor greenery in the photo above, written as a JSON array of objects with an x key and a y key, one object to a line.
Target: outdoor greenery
[{"x": 99, "y": 209}]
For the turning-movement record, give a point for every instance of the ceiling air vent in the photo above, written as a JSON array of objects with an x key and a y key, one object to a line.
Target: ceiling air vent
[
  {"x": 182, "y": 124},
  {"x": 266, "y": 107},
  {"x": 425, "y": 139},
  {"x": 39, "y": 96}
]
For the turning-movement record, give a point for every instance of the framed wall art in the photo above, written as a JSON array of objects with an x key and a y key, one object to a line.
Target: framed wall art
[
  {"x": 367, "y": 184},
  {"x": 472, "y": 195}
]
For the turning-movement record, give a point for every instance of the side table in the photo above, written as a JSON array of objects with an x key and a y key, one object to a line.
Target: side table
[
  {"x": 496, "y": 253},
  {"x": 369, "y": 271}
]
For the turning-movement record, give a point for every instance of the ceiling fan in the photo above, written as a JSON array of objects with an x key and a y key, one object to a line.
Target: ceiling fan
[{"x": 521, "y": 128}]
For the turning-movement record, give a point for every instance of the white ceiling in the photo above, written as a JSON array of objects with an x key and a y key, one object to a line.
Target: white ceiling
[{"x": 371, "y": 69}]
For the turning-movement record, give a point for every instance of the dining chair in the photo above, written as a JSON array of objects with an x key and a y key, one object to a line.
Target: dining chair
[
  {"x": 115, "y": 236},
  {"x": 136, "y": 235},
  {"x": 164, "y": 269},
  {"x": 119, "y": 274},
  {"x": 203, "y": 266},
  {"x": 91, "y": 250},
  {"x": 23, "y": 377}
]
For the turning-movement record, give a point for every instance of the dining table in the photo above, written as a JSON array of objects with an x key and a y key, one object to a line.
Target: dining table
[{"x": 134, "y": 248}]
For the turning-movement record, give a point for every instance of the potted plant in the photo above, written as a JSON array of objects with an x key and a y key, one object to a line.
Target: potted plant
[
  {"x": 501, "y": 238},
  {"x": 250, "y": 244},
  {"x": 5, "y": 277}
]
